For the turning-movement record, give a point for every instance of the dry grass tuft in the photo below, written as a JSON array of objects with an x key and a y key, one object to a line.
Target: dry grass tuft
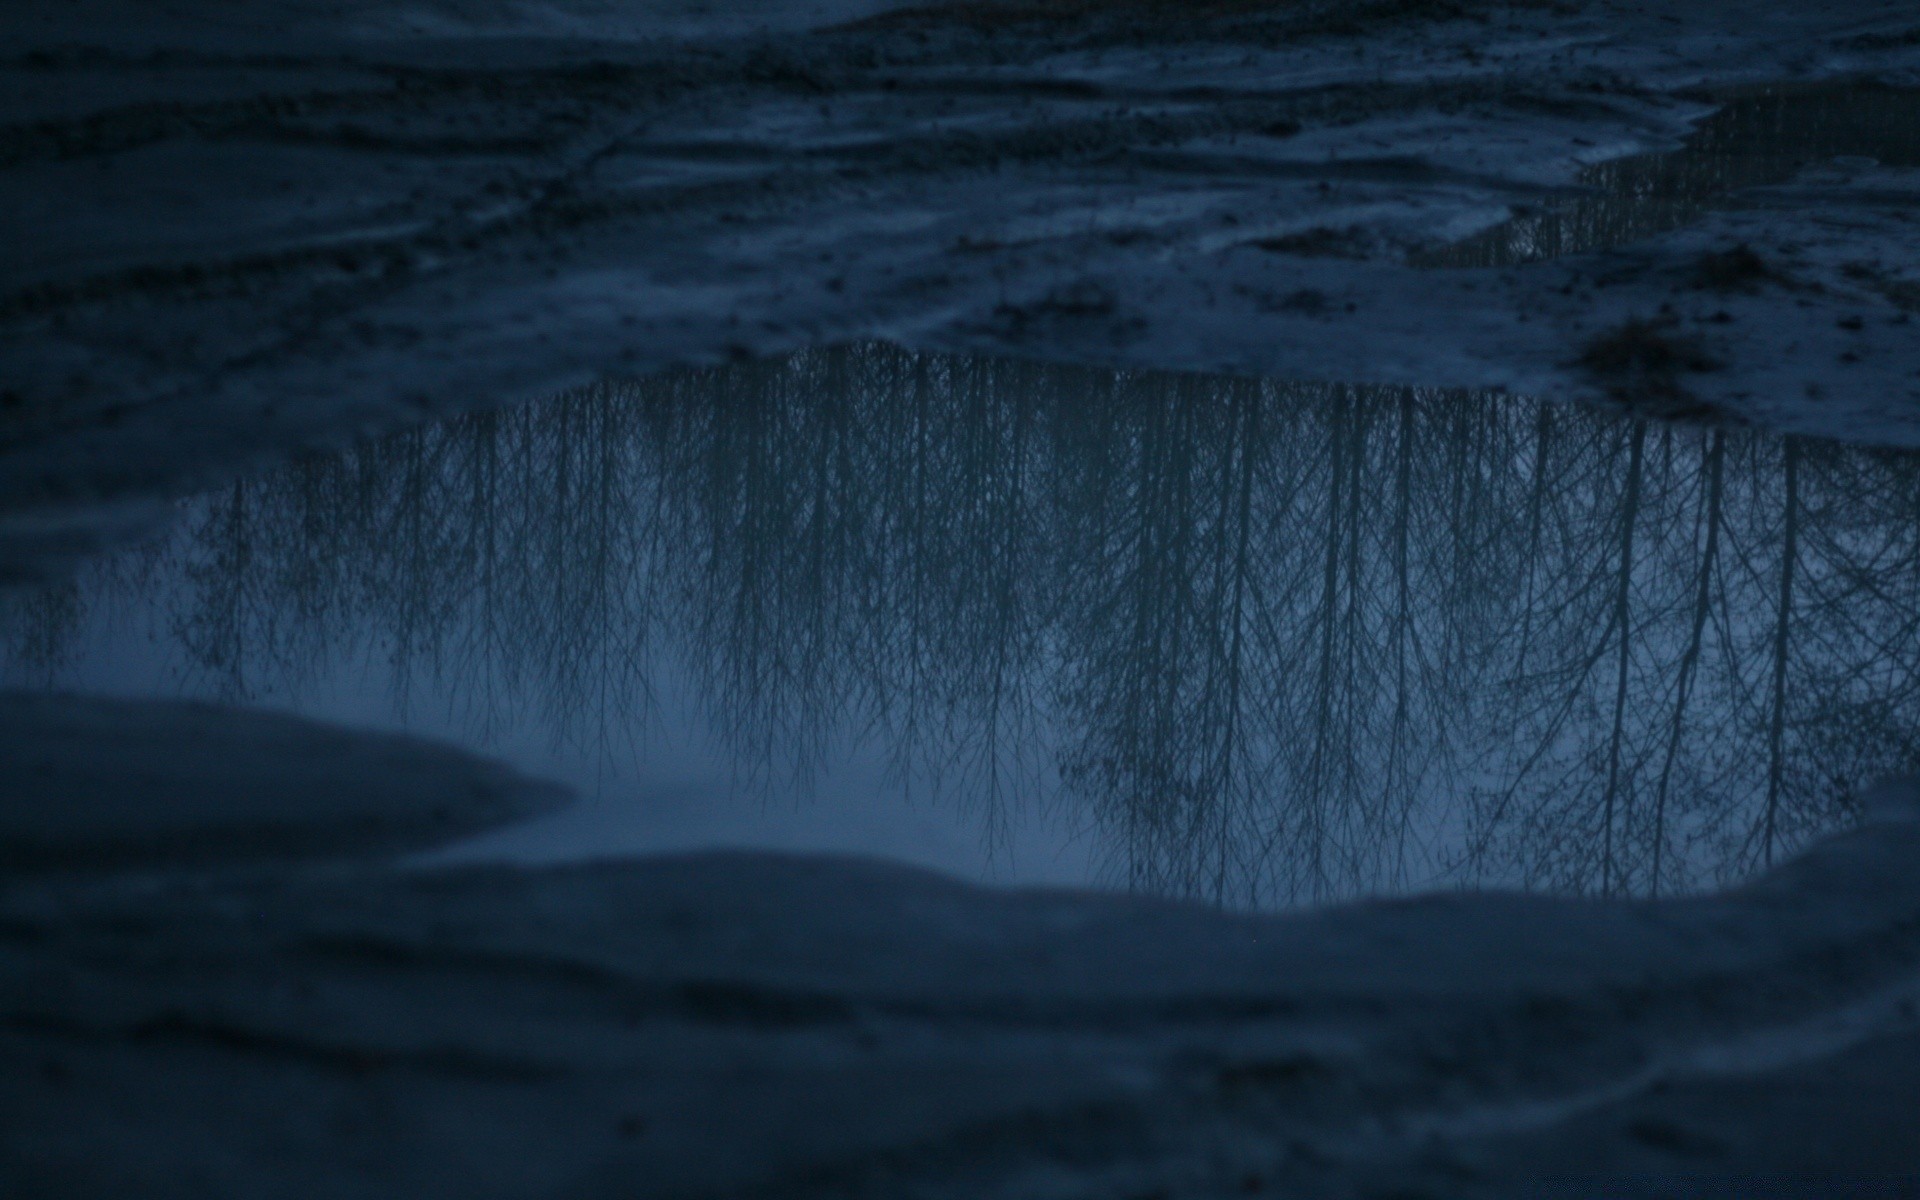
[
  {"x": 1321, "y": 242},
  {"x": 1740, "y": 269},
  {"x": 1641, "y": 364}
]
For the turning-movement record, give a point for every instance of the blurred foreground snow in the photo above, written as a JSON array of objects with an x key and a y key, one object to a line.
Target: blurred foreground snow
[{"x": 768, "y": 1025}]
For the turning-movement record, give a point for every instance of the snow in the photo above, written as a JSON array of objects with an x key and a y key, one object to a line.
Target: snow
[
  {"x": 633, "y": 203},
  {"x": 726, "y": 1023},
  {"x": 148, "y": 786}
]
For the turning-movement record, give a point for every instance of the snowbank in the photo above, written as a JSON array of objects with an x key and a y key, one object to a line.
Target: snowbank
[
  {"x": 90, "y": 784},
  {"x": 763, "y": 1025}
]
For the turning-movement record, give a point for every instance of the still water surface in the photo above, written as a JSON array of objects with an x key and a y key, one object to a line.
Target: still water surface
[{"x": 1255, "y": 642}]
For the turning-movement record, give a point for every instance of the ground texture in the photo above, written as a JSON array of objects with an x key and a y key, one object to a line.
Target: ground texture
[{"x": 234, "y": 235}]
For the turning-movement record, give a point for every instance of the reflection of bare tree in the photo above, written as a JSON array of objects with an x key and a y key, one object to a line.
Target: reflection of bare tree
[
  {"x": 39, "y": 628},
  {"x": 1758, "y": 139},
  {"x": 1162, "y": 673},
  {"x": 1585, "y": 655},
  {"x": 1271, "y": 642},
  {"x": 493, "y": 559},
  {"x": 964, "y": 588},
  {"x": 1708, "y": 539},
  {"x": 1760, "y": 679},
  {"x": 857, "y": 539}
]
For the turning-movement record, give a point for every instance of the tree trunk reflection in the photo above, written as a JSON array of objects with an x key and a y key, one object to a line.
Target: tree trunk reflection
[{"x": 1268, "y": 643}]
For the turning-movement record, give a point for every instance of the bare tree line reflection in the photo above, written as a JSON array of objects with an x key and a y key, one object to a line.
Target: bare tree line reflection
[
  {"x": 1272, "y": 642},
  {"x": 1762, "y": 138}
]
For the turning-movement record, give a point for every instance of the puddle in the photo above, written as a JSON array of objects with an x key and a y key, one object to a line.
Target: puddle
[
  {"x": 1758, "y": 138},
  {"x": 1255, "y": 642}
]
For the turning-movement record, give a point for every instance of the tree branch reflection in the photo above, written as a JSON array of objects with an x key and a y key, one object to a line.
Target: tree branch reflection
[{"x": 1269, "y": 643}]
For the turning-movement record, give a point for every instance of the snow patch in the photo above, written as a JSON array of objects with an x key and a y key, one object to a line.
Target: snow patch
[{"x": 90, "y": 784}]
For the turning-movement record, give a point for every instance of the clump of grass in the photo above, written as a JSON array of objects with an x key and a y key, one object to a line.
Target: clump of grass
[
  {"x": 1642, "y": 362},
  {"x": 1320, "y": 242},
  {"x": 1642, "y": 347},
  {"x": 1740, "y": 269}
]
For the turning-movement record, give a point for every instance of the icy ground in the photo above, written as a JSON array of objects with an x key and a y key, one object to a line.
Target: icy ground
[{"x": 235, "y": 230}]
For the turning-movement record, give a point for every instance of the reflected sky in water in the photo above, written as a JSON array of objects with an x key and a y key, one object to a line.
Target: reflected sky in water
[
  {"x": 1763, "y": 137},
  {"x": 1252, "y": 642}
]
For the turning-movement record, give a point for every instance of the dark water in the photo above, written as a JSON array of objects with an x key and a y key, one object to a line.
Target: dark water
[
  {"x": 1256, "y": 642},
  {"x": 1757, "y": 138}
]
